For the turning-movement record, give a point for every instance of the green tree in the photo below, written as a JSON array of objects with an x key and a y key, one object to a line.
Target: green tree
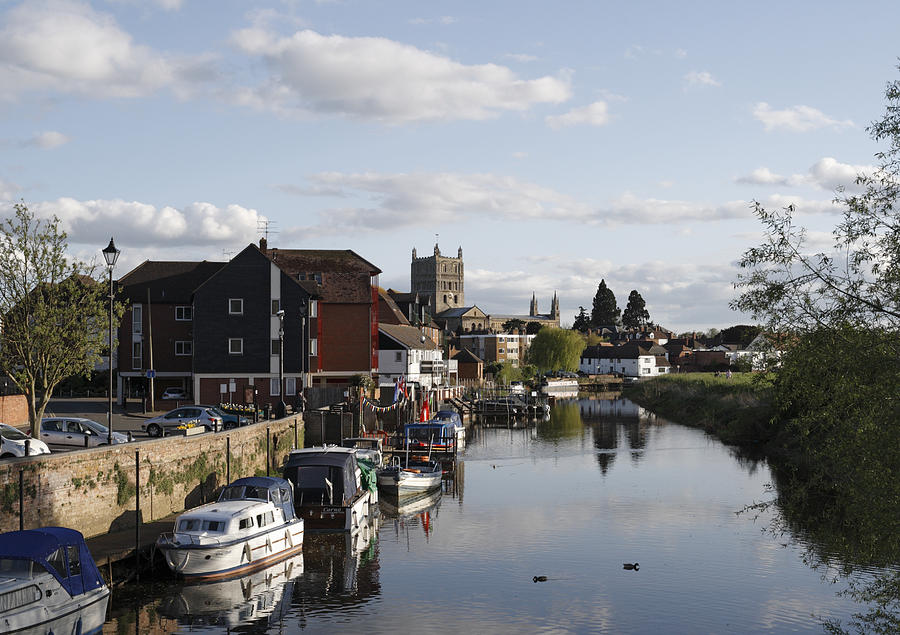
[
  {"x": 635, "y": 314},
  {"x": 740, "y": 334},
  {"x": 604, "y": 312},
  {"x": 556, "y": 349},
  {"x": 513, "y": 324},
  {"x": 582, "y": 321},
  {"x": 533, "y": 327},
  {"x": 54, "y": 313}
]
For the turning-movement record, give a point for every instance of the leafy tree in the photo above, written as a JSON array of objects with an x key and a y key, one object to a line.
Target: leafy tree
[
  {"x": 513, "y": 324},
  {"x": 604, "y": 312},
  {"x": 554, "y": 349},
  {"x": 54, "y": 313},
  {"x": 533, "y": 327},
  {"x": 582, "y": 321},
  {"x": 635, "y": 314},
  {"x": 741, "y": 334}
]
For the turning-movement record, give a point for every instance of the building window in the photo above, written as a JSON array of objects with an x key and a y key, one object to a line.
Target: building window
[
  {"x": 276, "y": 306},
  {"x": 313, "y": 346},
  {"x": 317, "y": 276},
  {"x": 137, "y": 319},
  {"x": 136, "y": 361},
  {"x": 184, "y": 313},
  {"x": 398, "y": 356},
  {"x": 184, "y": 347},
  {"x": 274, "y": 387},
  {"x": 290, "y": 385},
  {"x": 313, "y": 308},
  {"x": 276, "y": 348},
  {"x": 235, "y": 346},
  {"x": 235, "y": 306}
]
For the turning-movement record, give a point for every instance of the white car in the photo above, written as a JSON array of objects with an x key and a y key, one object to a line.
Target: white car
[
  {"x": 12, "y": 443},
  {"x": 175, "y": 393},
  {"x": 74, "y": 430}
]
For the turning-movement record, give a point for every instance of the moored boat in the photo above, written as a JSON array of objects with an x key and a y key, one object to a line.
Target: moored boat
[
  {"x": 414, "y": 477},
  {"x": 329, "y": 493},
  {"x": 434, "y": 435},
  {"x": 253, "y": 524},
  {"x": 50, "y": 583}
]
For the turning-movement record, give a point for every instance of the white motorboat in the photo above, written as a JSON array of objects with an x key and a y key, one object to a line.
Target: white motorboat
[
  {"x": 414, "y": 477},
  {"x": 252, "y": 525},
  {"x": 49, "y": 583},
  {"x": 330, "y": 494}
]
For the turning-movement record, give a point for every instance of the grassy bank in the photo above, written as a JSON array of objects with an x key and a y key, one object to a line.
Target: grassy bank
[{"x": 738, "y": 410}]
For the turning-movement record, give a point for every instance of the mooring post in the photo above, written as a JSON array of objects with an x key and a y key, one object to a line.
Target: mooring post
[
  {"x": 21, "y": 500},
  {"x": 296, "y": 437},
  {"x": 267, "y": 451},
  {"x": 137, "y": 516},
  {"x": 322, "y": 423},
  {"x": 227, "y": 460}
]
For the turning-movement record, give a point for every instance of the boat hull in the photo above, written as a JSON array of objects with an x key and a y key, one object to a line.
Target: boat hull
[
  {"x": 83, "y": 614},
  {"x": 215, "y": 561},
  {"x": 326, "y": 518},
  {"x": 405, "y": 482}
]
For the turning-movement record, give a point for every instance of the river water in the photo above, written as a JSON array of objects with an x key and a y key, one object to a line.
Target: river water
[{"x": 602, "y": 484}]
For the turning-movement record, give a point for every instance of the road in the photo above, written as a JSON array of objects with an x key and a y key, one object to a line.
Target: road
[{"x": 96, "y": 408}]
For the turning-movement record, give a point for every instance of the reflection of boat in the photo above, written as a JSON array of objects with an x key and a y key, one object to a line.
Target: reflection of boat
[
  {"x": 401, "y": 507},
  {"x": 512, "y": 406},
  {"x": 49, "y": 583},
  {"x": 253, "y": 524},
  {"x": 264, "y": 593},
  {"x": 328, "y": 488},
  {"x": 414, "y": 477}
]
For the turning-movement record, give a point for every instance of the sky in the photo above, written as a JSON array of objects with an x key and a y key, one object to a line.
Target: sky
[{"x": 556, "y": 143}]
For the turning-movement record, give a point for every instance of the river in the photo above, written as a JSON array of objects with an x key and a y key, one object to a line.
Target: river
[{"x": 600, "y": 485}]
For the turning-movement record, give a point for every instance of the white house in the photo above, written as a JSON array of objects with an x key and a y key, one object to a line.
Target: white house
[
  {"x": 630, "y": 360},
  {"x": 405, "y": 351}
]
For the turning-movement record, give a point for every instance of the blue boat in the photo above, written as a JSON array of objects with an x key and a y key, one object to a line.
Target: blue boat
[
  {"x": 50, "y": 583},
  {"x": 443, "y": 433}
]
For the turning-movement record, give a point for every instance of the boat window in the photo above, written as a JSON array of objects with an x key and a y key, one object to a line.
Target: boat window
[
  {"x": 265, "y": 519},
  {"x": 259, "y": 493},
  {"x": 233, "y": 493},
  {"x": 74, "y": 560},
  {"x": 245, "y": 523},
  {"x": 276, "y": 496},
  {"x": 19, "y": 597},
  {"x": 15, "y": 568},
  {"x": 58, "y": 562},
  {"x": 189, "y": 524},
  {"x": 214, "y": 525}
]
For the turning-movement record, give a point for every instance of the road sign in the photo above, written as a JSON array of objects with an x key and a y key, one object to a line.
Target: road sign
[{"x": 151, "y": 373}]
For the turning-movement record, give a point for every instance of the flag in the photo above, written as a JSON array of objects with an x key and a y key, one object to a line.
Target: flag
[
  {"x": 424, "y": 415},
  {"x": 396, "y": 390}
]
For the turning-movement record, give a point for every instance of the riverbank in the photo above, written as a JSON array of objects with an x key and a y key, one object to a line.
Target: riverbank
[{"x": 737, "y": 409}]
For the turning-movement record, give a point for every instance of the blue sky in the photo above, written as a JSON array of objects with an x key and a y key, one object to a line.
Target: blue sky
[{"x": 556, "y": 143}]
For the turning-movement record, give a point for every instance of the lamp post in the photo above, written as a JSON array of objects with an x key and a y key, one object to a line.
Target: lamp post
[
  {"x": 110, "y": 255},
  {"x": 282, "y": 408}
]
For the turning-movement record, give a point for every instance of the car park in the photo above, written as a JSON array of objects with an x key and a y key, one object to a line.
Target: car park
[
  {"x": 12, "y": 443},
  {"x": 78, "y": 432},
  {"x": 172, "y": 392},
  {"x": 187, "y": 416}
]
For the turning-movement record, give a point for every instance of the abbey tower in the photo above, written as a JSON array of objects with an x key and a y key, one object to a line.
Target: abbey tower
[{"x": 440, "y": 277}]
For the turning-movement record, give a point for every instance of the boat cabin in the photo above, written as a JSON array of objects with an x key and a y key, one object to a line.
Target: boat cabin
[
  {"x": 434, "y": 434},
  {"x": 323, "y": 476}
]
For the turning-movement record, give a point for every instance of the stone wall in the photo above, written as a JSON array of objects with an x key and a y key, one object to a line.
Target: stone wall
[
  {"x": 14, "y": 410},
  {"x": 93, "y": 490}
]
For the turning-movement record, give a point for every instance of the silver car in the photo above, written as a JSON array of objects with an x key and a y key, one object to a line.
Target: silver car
[
  {"x": 75, "y": 430},
  {"x": 188, "y": 416}
]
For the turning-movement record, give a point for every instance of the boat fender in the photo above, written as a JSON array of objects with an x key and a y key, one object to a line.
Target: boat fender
[
  {"x": 288, "y": 538},
  {"x": 247, "y": 553},
  {"x": 539, "y": 578},
  {"x": 631, "y": 567}
]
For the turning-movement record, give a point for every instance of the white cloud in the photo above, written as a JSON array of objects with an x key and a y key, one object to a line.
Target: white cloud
[
  {"x": 90, "y": 54},
  {"x": 521, "y": 57},
  {"x": 825, "y": 174},
  {"x": 520, "y": 155},
  {"x": 168, "y": 5},
  {"x": 796, "y": 118},
  {"x": 595, "y": 114},
  {"x": 137, "y": 223},
  {"x": 700, "y": 78},
  {"x": 8, "y": 191},
  {"x": 48, "y": 139},
  {"x": 379, "y": 79},
  {"x": 444, "y": 19}
]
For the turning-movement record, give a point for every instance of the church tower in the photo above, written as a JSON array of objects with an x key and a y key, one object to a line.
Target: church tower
[
  {"x": 440, "y": 277},
  {"x": 554, "y": 309},
  {"x": 534, "y": 306}
]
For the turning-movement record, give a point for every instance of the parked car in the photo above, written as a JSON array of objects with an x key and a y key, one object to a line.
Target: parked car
[
  {"x": 229, "y": 420},
  {"x": 174, "y": 393},
  {"x": 74, "y": 430},
  {"x": 12, "y": 443},
  {"x": 188, "y": 416}
]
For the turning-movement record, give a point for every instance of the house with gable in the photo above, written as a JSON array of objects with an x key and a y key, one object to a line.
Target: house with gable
[
  {"x": 237, "y": 342},
  {"x": 404, "y": 351},
  {"x": 629, "y": 360}
]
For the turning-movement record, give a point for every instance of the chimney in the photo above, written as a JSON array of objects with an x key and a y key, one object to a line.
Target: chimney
[{"x": 263, "y": 244}]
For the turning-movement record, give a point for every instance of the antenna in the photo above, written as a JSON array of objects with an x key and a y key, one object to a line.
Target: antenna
[
  {"x": 228, "y": 253},
  {"x": 266, "y": 227}
]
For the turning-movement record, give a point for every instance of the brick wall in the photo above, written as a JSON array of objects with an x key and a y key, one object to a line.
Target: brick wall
[
  {"x": 93, "y": 490},
  {"x": 14, "y": 410}
]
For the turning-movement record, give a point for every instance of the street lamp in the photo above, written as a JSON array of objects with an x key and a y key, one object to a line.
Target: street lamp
[
  {"x": 304, "y": 360},
  {"x": 110, "y": 255},
  {"x": 282, "y": 408}
]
